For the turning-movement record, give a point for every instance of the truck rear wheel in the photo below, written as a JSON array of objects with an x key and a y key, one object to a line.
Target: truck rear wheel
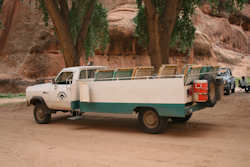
[
  {"x": 41, "y": 114},
  {"x": 151, "y": 122},
  {"x": 181, "y": 120}
]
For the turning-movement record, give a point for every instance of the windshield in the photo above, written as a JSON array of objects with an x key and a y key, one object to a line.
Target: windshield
[
  {"x": 222, "y": 71},
  {"x": 64, "y": 78}
]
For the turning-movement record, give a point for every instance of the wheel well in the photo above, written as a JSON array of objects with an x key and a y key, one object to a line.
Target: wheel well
[
  {"x": 143, "y": 108},
  {"x": 37, "y": 100}
]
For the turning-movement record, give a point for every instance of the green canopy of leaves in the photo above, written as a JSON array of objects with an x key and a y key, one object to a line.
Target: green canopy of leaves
[
  {"x": 184, "y": 32},
  {"x": 97, "y": 35}
]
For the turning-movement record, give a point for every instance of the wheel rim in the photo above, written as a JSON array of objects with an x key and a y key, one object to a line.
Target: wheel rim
[
  {"x": 40, "y": 114},
  {"x": 212, "y": 91},
  {"x": 150, "y": 119}
]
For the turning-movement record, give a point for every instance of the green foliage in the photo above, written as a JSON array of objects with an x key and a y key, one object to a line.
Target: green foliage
[
  {"x": 1, "y": 3},
  {"x": 183, "y": 34},
  {"x": 140, "y": 20},
  {"x": 229, "y": 6},
  {"x": 184, "y": 30},
  {"x": 76, "y": 15},
  {"x": 10, "y": 95},
  {"x": 42, "y": 7},
  {"x": 97, "y": 35}
]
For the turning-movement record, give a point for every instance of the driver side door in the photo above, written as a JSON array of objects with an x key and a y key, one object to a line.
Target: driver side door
[{"x": 61, "y": 91}]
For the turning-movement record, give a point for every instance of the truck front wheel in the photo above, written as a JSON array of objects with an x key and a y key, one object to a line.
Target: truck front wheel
[
  {"x": 151, "y": 122},
  {"x": 41, "y": 114}
]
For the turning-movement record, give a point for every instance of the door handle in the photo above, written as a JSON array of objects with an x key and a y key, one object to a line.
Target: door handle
[{"x": 45, "y": 92}]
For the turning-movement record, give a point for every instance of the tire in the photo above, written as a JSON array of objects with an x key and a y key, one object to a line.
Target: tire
[
  {"x": 219, "y": 89},
  {"x": 211, "y": 89},
  {"x": 247, "y": 89},
  {"x": 41, "y": 114},
  {"x": 76, "y": 113},
  {"x": 181, "y": 120},
  {"x": 228, "y": 90},
  {"x": 233, "y": 90},
  {"x": 151, "y": 122}
]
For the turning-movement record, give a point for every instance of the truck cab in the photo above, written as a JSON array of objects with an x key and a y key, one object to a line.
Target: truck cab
[{"x": 58, "y": 95}]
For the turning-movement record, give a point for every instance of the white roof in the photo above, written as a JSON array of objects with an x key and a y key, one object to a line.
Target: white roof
[{"x": 83, "y": 68}]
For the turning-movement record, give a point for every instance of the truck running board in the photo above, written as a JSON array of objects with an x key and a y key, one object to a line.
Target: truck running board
[{"x": 75, "y": 118}]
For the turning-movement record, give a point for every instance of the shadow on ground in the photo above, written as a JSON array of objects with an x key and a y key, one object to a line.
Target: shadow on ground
[{"x": 130, "y": 125}]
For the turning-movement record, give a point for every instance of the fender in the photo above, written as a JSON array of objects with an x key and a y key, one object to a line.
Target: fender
[{"x": 37, "y": 99}]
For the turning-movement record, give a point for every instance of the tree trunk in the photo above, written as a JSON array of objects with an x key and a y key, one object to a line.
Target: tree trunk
[
  {"x": 8, "y": 11},
  {"x": 84, "y": 29},
  {"x": 160, "y": 29},
  {"x": 154, "y": 43},
  {"x": 62, "y": 30}
]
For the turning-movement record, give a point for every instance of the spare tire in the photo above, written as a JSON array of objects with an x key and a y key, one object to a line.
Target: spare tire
[
  {"x": 211, "y": 89},
  {"x": 219, "y": 89}
]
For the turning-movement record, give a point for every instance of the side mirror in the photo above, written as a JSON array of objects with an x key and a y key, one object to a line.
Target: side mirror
[{"x": 53, "y": 81}]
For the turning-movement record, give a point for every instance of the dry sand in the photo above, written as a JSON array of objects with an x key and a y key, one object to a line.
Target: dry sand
[{"x": 214, "y": 137}]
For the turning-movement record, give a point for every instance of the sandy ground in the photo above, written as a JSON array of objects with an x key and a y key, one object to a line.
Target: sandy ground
[
  {"x": 12, "y": 100},
  {"x": 214, "y": 137}
]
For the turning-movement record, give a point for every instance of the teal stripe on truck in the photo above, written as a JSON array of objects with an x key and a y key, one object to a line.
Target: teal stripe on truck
[
  {"x": 170, "y": 110},
  {"x": 167, "y": 110}
]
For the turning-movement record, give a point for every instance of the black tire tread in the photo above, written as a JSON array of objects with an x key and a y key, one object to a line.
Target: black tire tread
[
  {"x": 159, "y": 129},
  {"x": 45, "y": 109}
]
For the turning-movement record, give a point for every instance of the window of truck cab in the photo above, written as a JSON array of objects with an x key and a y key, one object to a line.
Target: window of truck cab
[
  {"x": 65, "y": 77},
  {"x": 87, "y": 74}
]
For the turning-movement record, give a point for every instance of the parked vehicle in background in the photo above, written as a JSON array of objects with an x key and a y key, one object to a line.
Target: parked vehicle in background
[{"x": 228, "y": 79}]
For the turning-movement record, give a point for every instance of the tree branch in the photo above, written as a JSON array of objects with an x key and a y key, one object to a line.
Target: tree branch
[
  {"x": 63, "y": 32},
  {"x": 150, "y": 9},
  {"x": 84, "y": 27},
  {"x": 64, "y": 9}
]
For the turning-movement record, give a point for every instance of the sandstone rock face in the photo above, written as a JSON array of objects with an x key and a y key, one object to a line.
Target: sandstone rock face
[
  {"x": 123, "y": 51},
  {"x": 221, "y": 32},
  {"x": 242, "y": 18},
  {"x": 30, "y": 50},
  {"x": 226, "y": 44},
  {"x": 112, "y": 4},
  {"x": 24, "y": 34}
]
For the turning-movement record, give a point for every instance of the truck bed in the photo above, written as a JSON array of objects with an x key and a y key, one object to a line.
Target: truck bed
[{"x": 167, "y": 95}]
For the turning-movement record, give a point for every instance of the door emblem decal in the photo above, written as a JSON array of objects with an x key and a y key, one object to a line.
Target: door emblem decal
[{"x": 61, "y": 96}]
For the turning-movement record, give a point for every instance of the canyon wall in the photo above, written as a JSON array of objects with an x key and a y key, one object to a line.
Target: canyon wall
[{"x": 30, "y": 50}]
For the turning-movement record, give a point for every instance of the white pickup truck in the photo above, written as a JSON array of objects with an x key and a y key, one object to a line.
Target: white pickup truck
[{"x": 155, "y": 98}]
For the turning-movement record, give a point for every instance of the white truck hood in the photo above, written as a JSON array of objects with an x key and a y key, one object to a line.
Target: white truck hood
[
  {"x": 40, "y": 87},
  {"x": 37, "y": 90}
]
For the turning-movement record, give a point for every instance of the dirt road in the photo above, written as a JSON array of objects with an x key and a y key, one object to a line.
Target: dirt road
[
  {"x": 12, "y": 100},
  {"x": 214, "y": 137}
]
